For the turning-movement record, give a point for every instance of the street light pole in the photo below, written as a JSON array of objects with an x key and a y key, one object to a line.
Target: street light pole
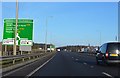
[
  {"x": 100, "y": 37},
  {"x": 15, "y": 38},
  {"x": 116, "y": 38},
  {"x": 46, "y": 34}
]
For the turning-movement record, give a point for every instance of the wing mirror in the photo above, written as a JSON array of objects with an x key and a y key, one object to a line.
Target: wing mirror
[{"x": 97, "y": 51}]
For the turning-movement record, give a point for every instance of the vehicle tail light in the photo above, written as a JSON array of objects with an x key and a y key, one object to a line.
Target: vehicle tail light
[{"x": 106, "y": 54}]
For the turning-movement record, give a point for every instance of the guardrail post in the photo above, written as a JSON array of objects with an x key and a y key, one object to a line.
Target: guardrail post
[
  {"x": 0, "y": 53},
  {"x": 13, "y": 61},
  {"x": 29, "y": 52},
  {"x": 23, "y": 59},
  {"x": 21, "y": 53},
  {"x": 29, "y": 58}
]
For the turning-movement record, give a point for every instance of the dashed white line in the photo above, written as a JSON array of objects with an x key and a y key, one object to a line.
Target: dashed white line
[
  {"x": 76, "y": 59},
  {"x": 107, "y": 74},
  {"x": 91, "y": 66},
  {"x": 72, "y": 57},
  {"x": 85, "y": 63},
  {"x": 39, "y": 67}
]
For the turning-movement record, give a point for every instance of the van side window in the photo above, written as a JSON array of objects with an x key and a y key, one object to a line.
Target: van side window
[{"x": 103, "y": 48}]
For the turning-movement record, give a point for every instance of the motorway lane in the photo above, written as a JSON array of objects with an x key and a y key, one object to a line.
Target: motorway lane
[
  {"x": 23, "y": 71},
  {"x": 75, "y": 64},
  {"x": 68, "y": 64},
  {"x": 113, "y": 70}
]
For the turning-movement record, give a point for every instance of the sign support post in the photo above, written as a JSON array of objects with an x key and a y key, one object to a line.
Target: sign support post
[
  {"x": 14, "y": 47},
  {"x": 6, "y": 50}
]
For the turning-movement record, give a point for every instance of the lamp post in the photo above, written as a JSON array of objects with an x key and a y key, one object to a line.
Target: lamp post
[
  {"x": 100, "y": 37},
  {"x": 116, "y": 38},
  {"x": 46, "y": 33}
]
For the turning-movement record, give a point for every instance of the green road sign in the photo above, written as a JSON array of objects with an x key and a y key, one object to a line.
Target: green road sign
[
  {"x": 24, "y": 31},
  {"x": 52, "y": 46}
]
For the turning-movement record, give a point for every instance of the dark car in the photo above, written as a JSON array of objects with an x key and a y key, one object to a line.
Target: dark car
[{"x": 108, "y": 53}]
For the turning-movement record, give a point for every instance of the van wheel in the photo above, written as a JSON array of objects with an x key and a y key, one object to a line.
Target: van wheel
[{"x": 107, "y": 64}]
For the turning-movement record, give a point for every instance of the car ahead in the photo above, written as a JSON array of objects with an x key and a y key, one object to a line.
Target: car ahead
[{"x": 108, "y": 53}]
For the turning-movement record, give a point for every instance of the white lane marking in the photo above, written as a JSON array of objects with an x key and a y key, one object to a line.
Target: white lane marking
[
  {"x": 39, "y": 67},
  {"x": 21, "y": 67},
  {"x": 72, "y": 57},
  {"x": 76, "y": 59},
  {"x": 85, "y": 63},
  {"x": 91, "y": 66},
  {"x": 107, "y": 74}
]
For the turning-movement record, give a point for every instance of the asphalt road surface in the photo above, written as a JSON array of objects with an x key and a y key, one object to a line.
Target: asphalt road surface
[{"x": 70, "y": 64}]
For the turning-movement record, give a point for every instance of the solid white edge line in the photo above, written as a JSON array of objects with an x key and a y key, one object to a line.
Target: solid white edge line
[
  {"x": 39, "y": 67},
  {"x": 19, "y": 69},
  {"x": 107, "y": 74}
]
